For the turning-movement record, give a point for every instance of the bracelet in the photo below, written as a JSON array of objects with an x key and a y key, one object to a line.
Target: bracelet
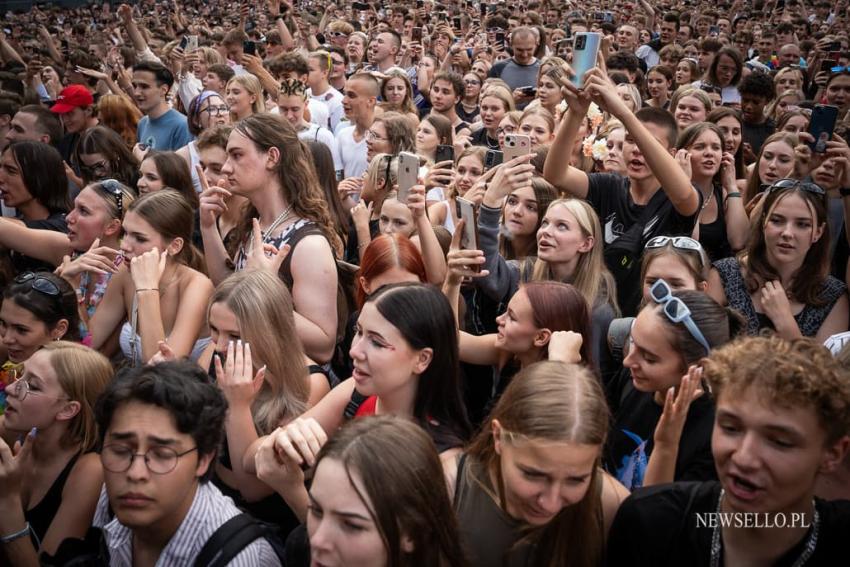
[
  {"x": 733, "y": 195},
  {"x": 156, "y": 289},
  {"x": 16, "y": 535}
]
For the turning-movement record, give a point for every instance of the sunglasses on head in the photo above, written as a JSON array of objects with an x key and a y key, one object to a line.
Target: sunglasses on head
[
  {"x": 39, "y": 283},
  {"x": 113, "y": 187},
  {"x": 788, "y": 183},
  {"x": 676, "y": 311},
  {"x": 680, "y": 242}
]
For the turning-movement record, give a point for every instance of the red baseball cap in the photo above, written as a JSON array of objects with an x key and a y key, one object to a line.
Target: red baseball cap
[{"x": 71, "y": 97}]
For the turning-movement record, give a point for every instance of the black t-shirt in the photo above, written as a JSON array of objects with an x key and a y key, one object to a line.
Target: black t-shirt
[
  {"x": 630, "y": 441},
  {"x": 756, "y": 134},
  {"x": 24, "y": 263},
  {"x": 609, "y": 195},
  {"x": 467, "y": 116},
  {"x": 480, "y": 138},
  {"x": 658, "y": 526}
]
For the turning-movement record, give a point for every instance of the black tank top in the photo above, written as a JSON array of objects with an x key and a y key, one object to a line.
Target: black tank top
[{"x": 41, "y": 515}]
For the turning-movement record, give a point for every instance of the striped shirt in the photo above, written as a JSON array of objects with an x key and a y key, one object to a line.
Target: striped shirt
[{"x": 210, "y": 509}]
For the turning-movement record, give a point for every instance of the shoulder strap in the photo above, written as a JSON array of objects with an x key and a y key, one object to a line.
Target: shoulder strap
[
  {"x": 353, "y": 405},
  {"x": 229, "y": 540}
]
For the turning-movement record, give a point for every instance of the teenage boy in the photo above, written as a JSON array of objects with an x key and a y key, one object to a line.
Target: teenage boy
[
  {"x": 654, "y": 198},
  {"x": 160, "y": 427},
  {"x": 446, "y": 91},
  {"x": 291, "y": 104},
  {"x": 782, "y": 420},
  {"x": 161, "y": 128},
  {"x": 217, "y": 77},
  {"x": 75, "y": 108},
  {"x": 320, "y": 65},
  {"x": 757, "y": 90},
  {"x": 361, "y": 97}
]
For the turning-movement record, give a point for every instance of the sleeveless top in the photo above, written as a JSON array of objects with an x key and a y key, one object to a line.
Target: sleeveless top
[
  {"x": 291, "y": 235},
  {"x": 808, "y": 320},
  {"x": 41, "y": 515},
  {"x": 712, "y": 235}
]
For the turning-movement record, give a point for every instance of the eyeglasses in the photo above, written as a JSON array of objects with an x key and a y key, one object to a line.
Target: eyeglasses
[
  {"x": 676, "y": 311},
  {"x": 788, "y": 183},
  {"x": 680, "y": 242},
  {"x": 39, "y": 283},
  {"x": 337, "y": 34},
  {"x": 96, "y": 171},
  {"x": 217, "y": 109},
  {"x": 114, "y": 188},
  {"x": 371, "y": 135},
  {"x": 21, "y": 387},
  {"x": 159, "y": 460}
]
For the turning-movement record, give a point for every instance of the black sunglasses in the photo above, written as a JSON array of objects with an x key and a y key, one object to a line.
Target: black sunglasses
[
  {"x": 113, "y": 187},
  {"x": 39, "y": 283},
  {"x": 788, "y": 183}
]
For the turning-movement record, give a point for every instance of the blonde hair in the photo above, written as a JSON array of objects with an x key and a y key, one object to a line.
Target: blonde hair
[
  {"x": 542, "y": 113},
  {"x": 83, "y": 374},
  {"x": 552, "y": 402},
  {"x": 262, "y": 305},
  {"x": 591, "y": 278},
  {"x": 500, "y": 93},
  {"x": 253, "y": 86}
]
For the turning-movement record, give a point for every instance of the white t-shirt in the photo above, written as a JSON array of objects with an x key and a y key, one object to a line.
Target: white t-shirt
[
  {"x": 316, "y": 133},
  {"x": 332, "y": 99},
  {"x": 353, "y": 153}
]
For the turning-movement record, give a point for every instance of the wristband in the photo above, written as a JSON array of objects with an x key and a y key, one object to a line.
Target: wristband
[
  {"x": 733, "y": 195},
  {"x": 156, "y": 289},
  {"x": 844, "y": 191},
  {"x": 16, "y": 535}
]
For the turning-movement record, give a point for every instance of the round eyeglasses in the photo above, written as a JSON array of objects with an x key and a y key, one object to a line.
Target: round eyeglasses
[{"x": 158, "y": 460}]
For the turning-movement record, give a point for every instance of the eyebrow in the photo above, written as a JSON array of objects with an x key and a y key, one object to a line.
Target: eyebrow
[
  {"x": 344, "y": 514},
  {"x": 644, "y": 349}
]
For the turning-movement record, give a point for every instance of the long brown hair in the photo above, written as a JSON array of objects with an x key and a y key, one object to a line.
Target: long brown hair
[
  {"x": 261, "y": 302},
  {"x": 402, "y": 478},
  {"x": 170, "y": 215},
  {"x": 544, "y": 193},
  {"x": 295, "y": 172},
  {"x": 753, "y": 186},
  {"x": 556, "y": 402}
]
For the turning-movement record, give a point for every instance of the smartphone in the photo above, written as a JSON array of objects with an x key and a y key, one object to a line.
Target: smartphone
[
  {"x": 360, "y": 6},
  {"x": 827, "y": 64},
  {"x": 416, "y": 35},
  {"x": 445, "y": 152},
  {"x": 585, "y": 51},
  {"x": 408, "y": 174},
  {"x": 493, "y": 158},
  {"x": 516, "y": 145},
  {"x": 456, "y": 22},
  {"x": 500, "y": 39},
  {"x": 469, "y": 238},
  {"x": 184, "y": 42},
  {"x": 482, "y": 8},
  {"x": 528, "y": 91},
  {"x": 249, "y": 47},
  {"x": 193, "y": 43},
  {"x": 713, "y": 31},
  {"x": 822, "y": 125},
  {"x": 598, "y": 17},
  {"x": 420, "y": 4}
]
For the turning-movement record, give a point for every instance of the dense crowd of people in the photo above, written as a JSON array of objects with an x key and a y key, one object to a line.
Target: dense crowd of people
[{"x": 432, "y": 283}]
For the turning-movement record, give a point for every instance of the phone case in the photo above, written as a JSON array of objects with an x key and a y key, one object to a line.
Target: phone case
[
  {"x": 493, "y": 158},
  {"x": 467, "y": 213},
  {"x": 516, "y": 145},
  {"x": 822, "y": 125},
  {"x": 444, "y": 153},
  {"x": 408, "y": 174},
  {"x": 585, "y": 50}
]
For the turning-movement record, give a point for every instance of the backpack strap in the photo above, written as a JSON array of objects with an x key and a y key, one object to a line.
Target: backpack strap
[
  {"x": 229, "y": 540},
  {"x": 353, "y": 405}
]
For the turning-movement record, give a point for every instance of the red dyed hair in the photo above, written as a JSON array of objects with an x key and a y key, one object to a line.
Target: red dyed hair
[
  {"x": 384, "y": 253},
  {"x": 560, "y": 307}
]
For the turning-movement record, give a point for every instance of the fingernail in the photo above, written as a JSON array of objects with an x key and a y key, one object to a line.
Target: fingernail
[{"x": 33, "y": 431}]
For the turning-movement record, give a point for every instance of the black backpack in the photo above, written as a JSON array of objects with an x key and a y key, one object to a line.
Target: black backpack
[{"x": 233, "y": 536}]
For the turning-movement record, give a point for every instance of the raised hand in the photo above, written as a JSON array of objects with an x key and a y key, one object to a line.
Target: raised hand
[
  {"x": 668, "y": 431},
  {"x": 463, "y": 263},
  {"x": 236, "y": 378},
  {"x": 264, "y": 256},
  {"x": 147, "y": 269}
]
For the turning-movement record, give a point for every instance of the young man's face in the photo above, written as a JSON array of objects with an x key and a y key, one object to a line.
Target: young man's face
[
  {"x": 637, "y": 168},
  {"x": 318, "y": 71},
  {"x": 140, "y": 498},
  {"x": 291, "y": 107},
  {"x": 767, "y": 456},
  {"x": 668, "y": 32},
  {"x": 765, "y": 46},
  {"x": 213, "y": 82},
  {"x": 752, "y": 108},
  {"x": 146, "y": 92},
  {"x": 443, "y": 95},
  {"x": 234, "y": 52},
  {"x": 356, "y": 99}
]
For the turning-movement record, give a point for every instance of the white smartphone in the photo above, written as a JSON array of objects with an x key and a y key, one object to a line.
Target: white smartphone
[
  {"x": 466, "y": 212},
  {"x": 516, "y": 145},
  {"x": 408, "y": 174},
  {"x": 585, "y": 51}
]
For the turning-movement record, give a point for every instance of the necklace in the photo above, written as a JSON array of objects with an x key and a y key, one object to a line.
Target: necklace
[
  {"x": 808, "y": 550},
  {"x": 267, "y": 235},
  {"x": 707, "y": 201}
]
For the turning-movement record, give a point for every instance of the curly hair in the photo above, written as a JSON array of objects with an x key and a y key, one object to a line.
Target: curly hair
[{"x": 800, "y": 373}]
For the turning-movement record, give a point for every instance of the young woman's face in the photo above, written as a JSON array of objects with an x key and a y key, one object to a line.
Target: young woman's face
[
  {"x": 625, "y": 94},
  {"x": 44, "y": 400},
  {"x": 725, "y": 70},
  {"x": 13, "y": 190},
  {"x": 796, "y": 124},
  {"x": 543, "y": 477},
  {"x": 828, "y": 174},
  {"x": 506, "y": 126},
  {"x": 396, "y": 218},
  {"x": 492, "y": 112},
  {"x": 395, "y": 90},
  {"x": 731, "y": 129},
  {"x": 224, "y": 327},
  {"x": 468, "y": 170},
  {"x": 560, "y": 238},
  {"x": 521, "y": 212},
  {"x": 471, "y": 86},
  {"x": 139, "y": 237},
  {"x": 239, "y": 100},
  {"x": 427, "y": 138},
  {"x": 213, "y": 112},
  {"x": 149, "y": 178},
  {"x": 21, "y": 332},
  {"x": 384, "y": 362},
  {"x": 95, "y": 167},
  {"x": 87, "y": 220},
  {"x": 673, "y": 270},
  {"x": 689, "y": 111},
  {"x": 377, "y": 141},
  {"x": 790, "y": 230},
  {"x": 777, "y": 162},
  {"x": 838, "y": 93},
  {"x": 706, "y": 152},
  {"x": 657, "y": 85},
  {"x": 517, "y": 332},
  {"x": 339, "y": 522},
  {"x": 548, "y": 92},
  {"x": 767, "y": 456},
  {"x": 786, "y": 103},
  {"x": 683, "y": 73},
  {"x": 536, "y": 128},
  {"x": 787, "y": 82},
  {"x": 653, "y": 361},
  {"x": 614, "y": 162}
]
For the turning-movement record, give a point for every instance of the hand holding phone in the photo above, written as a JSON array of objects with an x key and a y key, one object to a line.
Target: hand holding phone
[
  {"x": 467, "y": 212},
  {"x": 249, "y": 47},
  {"x": 821, "y": 126},
  {"x": 408, "y": 174},
  {"x": 516, "y": 145}
]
